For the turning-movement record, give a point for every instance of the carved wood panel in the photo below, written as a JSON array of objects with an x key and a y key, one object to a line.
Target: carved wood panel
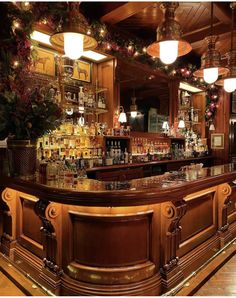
[
  {"x": 28, "y": 224},
  {"x": 232, "y": 206},
  {"x": 199, "y": 223},
  {"x": 120, "y": 240}
]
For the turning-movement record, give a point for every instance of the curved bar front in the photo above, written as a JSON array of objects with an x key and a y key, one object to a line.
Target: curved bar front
[{"x": 139, "y": 237}]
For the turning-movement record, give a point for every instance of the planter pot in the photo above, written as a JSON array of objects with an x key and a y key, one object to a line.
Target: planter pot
[{"x": 22, "y": 155}]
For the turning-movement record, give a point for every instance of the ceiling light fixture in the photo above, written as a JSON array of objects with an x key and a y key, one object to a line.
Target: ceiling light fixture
[
  {"x": 74, "y": 39},
  {"x": 229, "y": 82},
  {"x": 169, "y": 44},
  {"x": 211, "y": 60}
]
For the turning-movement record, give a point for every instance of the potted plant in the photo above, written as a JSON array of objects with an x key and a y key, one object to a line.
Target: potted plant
[{"x": 23, "y": 121}]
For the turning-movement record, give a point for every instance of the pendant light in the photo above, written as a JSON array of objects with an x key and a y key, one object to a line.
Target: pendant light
[
  {"x": 74, "y": 38},
  {"x": 169, "y": 44},
  {"x": 133, "y": 107},
  {"x": 229, "y": 82},
  {"x": 211, "y": 60}
]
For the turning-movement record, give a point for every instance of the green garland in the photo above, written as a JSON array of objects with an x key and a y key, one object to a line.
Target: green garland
[{"x": 15, "y": 54}]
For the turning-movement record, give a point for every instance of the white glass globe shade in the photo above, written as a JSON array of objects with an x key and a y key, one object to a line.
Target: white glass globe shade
[
  {"x": 133, "y": 114},
  {"x": 168, "y": 51},
  {"x": 230, "y": 84},
  {"x": 210, "y": 75},
  {"x": 73, "y": 45}
]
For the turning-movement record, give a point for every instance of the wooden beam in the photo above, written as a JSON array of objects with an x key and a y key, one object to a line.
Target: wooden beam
[
  {"x": 199, "y": 34},
  {"x": 125, "y": 11},
  {"x": 220, "y": 11}
]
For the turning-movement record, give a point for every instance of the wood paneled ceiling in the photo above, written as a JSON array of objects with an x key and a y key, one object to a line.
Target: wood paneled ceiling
[{"x": 142, "y": 18}]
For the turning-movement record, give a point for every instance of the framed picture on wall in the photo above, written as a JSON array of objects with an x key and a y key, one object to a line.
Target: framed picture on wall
[
  {"x": 217, "y": 141},
  {"x": 43, "y": 61},
  {"x": 233, "y": 103},
  {"x": 82, "y": 71}
]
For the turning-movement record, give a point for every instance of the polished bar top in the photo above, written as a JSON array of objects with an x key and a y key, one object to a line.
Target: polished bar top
[{"x": 149, "y": 190}]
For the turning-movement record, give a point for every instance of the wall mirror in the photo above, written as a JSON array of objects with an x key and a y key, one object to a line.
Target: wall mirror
[{"x": 148, "y": 90}]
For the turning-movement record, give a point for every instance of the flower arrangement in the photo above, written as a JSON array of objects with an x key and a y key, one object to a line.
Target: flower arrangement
[{"x": 27, "y": 119}]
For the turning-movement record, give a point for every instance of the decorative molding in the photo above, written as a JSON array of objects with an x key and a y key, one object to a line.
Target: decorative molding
[{"x": 48, "y": 212}]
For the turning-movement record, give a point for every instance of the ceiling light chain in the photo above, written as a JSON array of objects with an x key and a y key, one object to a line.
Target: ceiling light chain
[
  {"x": 211, "y": 66},
  {"x": 229, "y": 82}
]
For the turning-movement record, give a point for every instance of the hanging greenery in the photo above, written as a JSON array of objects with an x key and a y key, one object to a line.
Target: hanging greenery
[{"x": 212, "y": 96}]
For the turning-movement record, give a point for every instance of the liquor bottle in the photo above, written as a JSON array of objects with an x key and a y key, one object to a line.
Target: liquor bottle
[
  {"x": 100, "y": 102},
  {"x": 126, "y": 154},
  {"x": 149, "y": 156},
  {"x": 130, "y": 157},
  {"x": 81, "y": 96},
  {"x": 85, "y": 100}
]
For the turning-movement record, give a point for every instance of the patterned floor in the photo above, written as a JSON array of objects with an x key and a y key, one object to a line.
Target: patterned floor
[{"x": 223, "y": 283}]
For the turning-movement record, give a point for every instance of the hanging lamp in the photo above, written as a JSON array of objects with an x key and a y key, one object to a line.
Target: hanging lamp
[
  {"x": 169, "y": 44},
  {"x": 229, "y": 82},
  {"x": 211, "y": 60},
  {"x": 74, "y": 38}
]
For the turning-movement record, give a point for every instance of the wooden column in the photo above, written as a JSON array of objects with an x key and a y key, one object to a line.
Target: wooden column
[
  {"x": 172, "y": 212},
  {"x": 173, "y": 100},
  {"x": 106, "y": 79},
  {"x": 221, "y": 123}
]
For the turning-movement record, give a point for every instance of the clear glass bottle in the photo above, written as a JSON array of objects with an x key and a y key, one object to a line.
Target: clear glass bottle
[{"x": 81, "y": 96}]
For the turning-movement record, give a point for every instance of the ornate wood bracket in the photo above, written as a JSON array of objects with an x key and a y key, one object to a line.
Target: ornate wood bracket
[
  {"x": 48, "y": 213},
  {"x": 224, "y": 202},
  {"x": 8, "y": 210},
  {"x": 172, "y": 212}
]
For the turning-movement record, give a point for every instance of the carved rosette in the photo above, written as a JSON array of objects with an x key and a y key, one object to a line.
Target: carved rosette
[
  {"x": 48, "y": 212},
  {"x": 9, "y": 210},
  {"x": 172, "y": 212},
  {"x": 224, "y": 202}
]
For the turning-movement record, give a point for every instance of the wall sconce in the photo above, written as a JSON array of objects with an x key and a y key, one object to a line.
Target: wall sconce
[
  {"x": 122, "y": 117},
  {"x": 181, "y": 124},
  {"x": 165, "y": 126},
  {"x": 169, "y": 44},
  {"x": 212, "y": 126},
  {"x": 74, "y": 39}
]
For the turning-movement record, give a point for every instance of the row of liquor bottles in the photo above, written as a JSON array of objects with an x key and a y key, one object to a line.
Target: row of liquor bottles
[
  {"x": 91, "y": 145},
  {"x": 85, "y": 98},
  {"x": 153, "y": 146}
]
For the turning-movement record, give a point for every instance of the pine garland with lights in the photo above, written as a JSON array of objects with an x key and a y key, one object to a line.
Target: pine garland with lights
[
  {"x": 15, "y": 55},
  {"x": 212, "y": 96}
]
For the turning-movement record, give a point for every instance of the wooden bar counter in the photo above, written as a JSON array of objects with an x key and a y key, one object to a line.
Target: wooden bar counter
[{"x": 137, "y": 237}]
